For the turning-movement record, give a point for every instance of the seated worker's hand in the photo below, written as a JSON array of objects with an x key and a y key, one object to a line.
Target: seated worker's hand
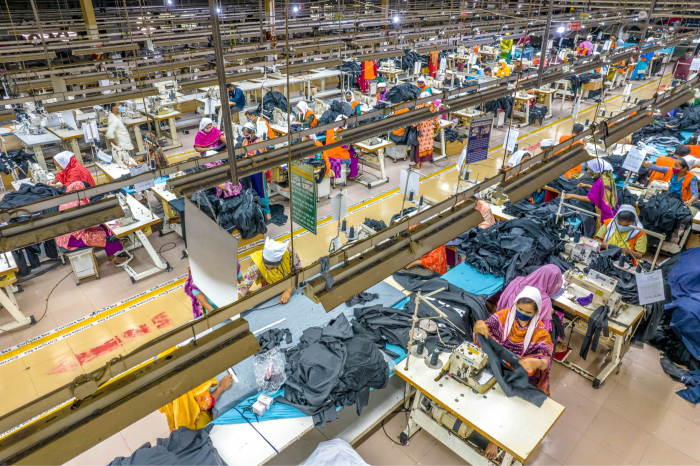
[
  {"x": 583, "y": 185},
  {"x": 603, "y": 246},
  {"x": 481, "y": 328},
  {"x": 646, "y": 164},
  {"x": 532, "y": 364},
  {"x": 284, "y": 299},
  {"x": 226, "y": 382}
]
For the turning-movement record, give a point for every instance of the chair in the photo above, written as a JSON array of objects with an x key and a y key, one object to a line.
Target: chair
[{"x": 83, "y": 263}]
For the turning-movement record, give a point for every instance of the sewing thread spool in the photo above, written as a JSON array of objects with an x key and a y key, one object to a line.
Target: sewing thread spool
[
  {"x": 433, "y": 361},
  {"x": 345, "y": 225},
  {"x": 621, "y": 262},
  {"x": 418, "y": 350},
  {"x": 410, "y": 196},
  {"x": 577, "y": 237},
  {"x": 421, "y": 346},
  {"x": 420, "y": 201},
  {"x": 639, "y": 268},
  {"x": 562, "y": 234}
]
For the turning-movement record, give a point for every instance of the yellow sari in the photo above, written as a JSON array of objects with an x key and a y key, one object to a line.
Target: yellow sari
[{"x": 191, "y": 410}]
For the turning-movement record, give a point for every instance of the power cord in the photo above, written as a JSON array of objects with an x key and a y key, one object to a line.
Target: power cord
[
  {"x": 46, "y": 307},
  {"x": 403, "y": 437},
  {"x": 174, "y": 245}
]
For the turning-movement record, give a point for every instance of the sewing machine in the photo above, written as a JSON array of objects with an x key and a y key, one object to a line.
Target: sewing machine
[
  {"x": 279, "y": 117},
  {"x": 469, "y": 365},
  {"x": 155, "y": 106},
  {"x": 130, "y": 110},
  {"x": 128, "y": 217},
  {"x": 388, "y": 65},
  {"x": 434, "y": 84},
  {"x": 462, "y": 52},
  {"x": 31, "y": 118},
  {"x": 319, "y": 107},
  {"x": 213, "y": 93},
  {"x": 601, "y": 286},
  {"x": 122, "y": 157},
  {"x": 583, "y": 252},
  {"x": 655, "y": 187},
  {"x": 167, "y": 90},
  {"x": 39, "y": 175},
  {"x": 495, "y": 195},
  {"x": 101, "y": 115}
]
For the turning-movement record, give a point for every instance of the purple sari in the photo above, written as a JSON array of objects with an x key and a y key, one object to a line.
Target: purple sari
[
  {"x": 597, "y": 197},
  {"x": 190, "y": 287}
]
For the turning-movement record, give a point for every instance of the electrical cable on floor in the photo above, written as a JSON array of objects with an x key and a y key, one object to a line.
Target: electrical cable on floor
[
  {"x": 46, "y": 307},
  {"x": 406, "y": 411},
  {"x": 174, "y": 245},
  {"x": 41, "y": 272}
]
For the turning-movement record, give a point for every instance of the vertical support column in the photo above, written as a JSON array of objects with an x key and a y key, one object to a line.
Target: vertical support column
[
  {"x": 545, "y": 39},
  {"x": 41, "y": 33},
  {"x": 89, "y": 18},
  {"x": 385, "y": 9}
]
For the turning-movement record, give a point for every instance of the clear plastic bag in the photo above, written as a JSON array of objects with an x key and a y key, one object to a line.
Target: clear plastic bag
[{"x": 269, "y": 370}]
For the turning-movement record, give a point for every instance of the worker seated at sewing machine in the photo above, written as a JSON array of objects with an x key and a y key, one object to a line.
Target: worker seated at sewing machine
[
  {"x": 382, "y": 91},
  {"x": 350, "y": 99},
  {"x": 520, "y": 330},
  {"x": 305, "y": 115},
  {"x": 616, "y": 231},
  {"x": 208, "y": 137},
  {"x": 262, "y": 126},
  {"x": 683, "y": 183},
  {"x": 271, "y": 265},
  {"x": 420, "y": 82},
  {"x": 70, "y": 171},
  {"x": 344, "y": 154}
]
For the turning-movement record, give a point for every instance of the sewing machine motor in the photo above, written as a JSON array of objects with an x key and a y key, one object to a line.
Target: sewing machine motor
[
  {"x": 279, "y": 117},
  {"x": 655, "y": 187},
  {"x": 38, "y": 173},
  {"x": 469, "y": 365},
  {"x": 101, "y": 114}
]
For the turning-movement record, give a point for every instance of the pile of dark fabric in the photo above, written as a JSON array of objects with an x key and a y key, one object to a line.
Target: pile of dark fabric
[
  {"x": 402, "y": 93},
  {"x": 565, "y": 184},
  {"x": 588, "y": 77},
  {"x": 451, "y": 136},
  {"x": 690, "y": 120},
  {"x": 376, "y": 225},
  {"x": 243, "y": 212},
  {"x": 16, "y": 158},
  {"x": 28, "y": 193},
  {"x": 595, "y": 95},
  {"x": 617, "y": 160},
  {"x": 332, "y": 113},
  {"x": 624, "y": 196},
  {"x": 352, "y": 69},
  {"x": 182, "y": 448},
  {"x": 277, "y": 216},
  {"x": 405, "y": 212},
  {"x": 408, "y": 138},
  {"x": 270, "y": 101},
  {"x": 513, "y": 248},
  {"x": 575, "y": 83},
  {"x": 657, "y": 129},
  {"x": 410, "y": 58},
  {"x": 331, "y": 367},
  {"x": 502, "y": 103},
  {"x": 273, "y": 337},
  {"x": 668, "y": 342},
  {"x": 316, "y": 163},
  {"x": 664, "y": 213},
  {"x": 537, "y": 114}
]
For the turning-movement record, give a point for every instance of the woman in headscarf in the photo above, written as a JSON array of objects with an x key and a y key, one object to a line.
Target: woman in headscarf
[
  {"x": 585, "y": 48},
  {"x": 193, "y": 409},
  {"x": 520, "y": 330},
  {"x": 617, "y": 231},
  {"x": 503, "y": 69},
  {"x": 420, "y": 82},
  {"x": 382, "y": 91},
  {"x": 518, "y": 157},
  {"x": 336, "y": 155},
  {"x": 603, "y": 192},
  {"x": 350, "y": 99},
  {"x": 201, "y": 304},
  {"x": 258, "y": 181},
  {"x": 71, "y": 171},
  {"x": 208, "y": 136},
  {"x": 272, "y": 264},
  {"x": 96, "y": 237},
  {"x": 305, "y": 115},
  {"x": 547, "y": 279},
  {"x": 423, "y": 152},
  {"x": 683, "y": 182}
]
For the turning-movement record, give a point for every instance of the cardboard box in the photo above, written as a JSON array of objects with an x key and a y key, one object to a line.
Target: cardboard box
[{"x": 592, "y": 85}]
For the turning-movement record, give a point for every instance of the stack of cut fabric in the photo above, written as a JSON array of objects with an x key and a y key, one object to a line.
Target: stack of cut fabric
[
  {"x": 664, "y": 213},
  {"x": 243, "y": 212}
]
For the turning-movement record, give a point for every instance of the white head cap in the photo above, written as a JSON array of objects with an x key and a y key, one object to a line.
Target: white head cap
[
  {"x": 204, "y": 123},
  {"x": 381, "y": 85},
  {"x": 421, "y": 79},
  {"x": 273, "y": 251}
]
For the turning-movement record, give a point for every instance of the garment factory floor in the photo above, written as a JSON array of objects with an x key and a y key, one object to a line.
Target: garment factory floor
[{"x": 640, "y": 399}]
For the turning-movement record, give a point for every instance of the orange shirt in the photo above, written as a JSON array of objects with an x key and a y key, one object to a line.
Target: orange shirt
[
  {"x": 577, "y": 168},
  {"x": 695, "y": 151}
]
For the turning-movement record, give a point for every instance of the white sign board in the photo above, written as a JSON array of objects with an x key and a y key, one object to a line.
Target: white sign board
[
  {"x": 627, "y": 89},
  {"x": 413, "y": 182},
  {"x": 695, "y": 65},
  {"x": 577, "y": 106},
  {"x": 650, "y": 287},
  {"x": 213, "y": 269},
  {"x": 144, "y": 185},
  {"x": 512, "y": 139},
  {"x": 634, "y": 160},
  {"x": 606, "y": 46}
]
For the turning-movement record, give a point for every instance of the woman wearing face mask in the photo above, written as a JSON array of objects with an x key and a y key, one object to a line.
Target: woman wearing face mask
[
  {"x": 382, "y": 91},
  {"x": 683, "y": 182},
  {"x": 258, "y": 181},
  {"x": 305, "y": 116},
  {"x": 262, "y": 126},
  {"x": 520, "y": 330},
  {"x": 271, "y": 265},
  {"x": 208, "y": 136},
  {"x": 617, "y": 231},
  {"x": 350, "y": 99}
]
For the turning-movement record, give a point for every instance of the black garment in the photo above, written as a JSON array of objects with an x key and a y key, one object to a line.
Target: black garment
[
  {"x": 243, "y": 212},
  {"x": 183, "y": 447},
  {"x": 664, "y": 213},
  {"x": 270, "y": 101},
  {"x": 510, "y": 375},
  {"x": 502, "y": 103},
  {"x": 406, "y": 211},
  {"x": 273, "y": 337},
  {"x": 362, "y": 298},
  {"x": 330, "y": 368},
  {"x": 28, "y": 193},
  {"x": 16, "y": 158},
  {"x": 402, "y": 93},
  {"x": 596, "y": 324},
  {"x": 575, "y": 83},
  {"x": 668, "y": 342},
  {"x": 277, "y": 214},
  {"x": 657, "y": 129},
  {"x": 508, "y": 249},
  {"x": 565, "y": 184},
  {"x": 451, "y": 136},
  {"x": 673, "y": 371},
  {"x": 376, "y": 225},
  {"x": 410, "y": 58},
  {"x": 179, "y": 205},
  {"x": 626, "y": 283},
  {"x": 537, "y": 114},
  {"x": 595, "y": 95},
  {"x": 558, "y": 331}
]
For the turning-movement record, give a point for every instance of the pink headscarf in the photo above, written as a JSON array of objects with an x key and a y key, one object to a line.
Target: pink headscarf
[{"x": 547, "y": 279}]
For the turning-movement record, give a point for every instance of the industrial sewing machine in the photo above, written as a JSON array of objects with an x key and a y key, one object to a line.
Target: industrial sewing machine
[
  {"x": 601, "y": 286},
  {"x": 388, "y": 65},
  {"x": 434, "y": 84},
  {"x": 462, "y": 52},
  {"x": 167, "y": 90},
  {"x": 128, "y": 217},
  {"x": 495, "y": 195},
  {"x": 155, "y": 106},
  {"x": 122, "y": 157},
  {"x": 101, "y": 115},
  {"x": 130, "y": 110},
  {"x": 469, "y": 366},
  {"x": 279, "y": 117},
  {"x": 38, "y": 173},
  {"x": 319, "y": 107},
  {"x": 213, "y": 93},
  {"x": 583, "y": 252},
  {"x": 31, "y": 117},
  {"x": 655, "y": 187}
]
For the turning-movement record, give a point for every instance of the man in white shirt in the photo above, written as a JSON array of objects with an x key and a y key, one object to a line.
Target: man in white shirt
[{"x": 117, "y": 132}]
